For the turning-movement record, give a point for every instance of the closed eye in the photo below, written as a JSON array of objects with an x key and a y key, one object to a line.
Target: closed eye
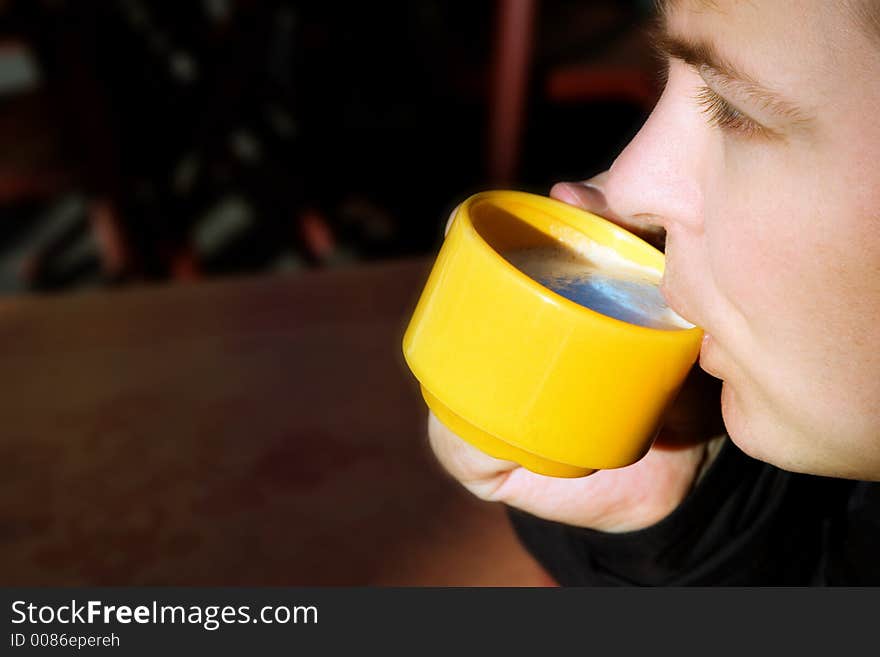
[{"x": 725, "y": 116}]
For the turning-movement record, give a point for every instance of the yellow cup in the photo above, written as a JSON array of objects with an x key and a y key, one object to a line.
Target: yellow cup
[{"x": 523, "y": 373}]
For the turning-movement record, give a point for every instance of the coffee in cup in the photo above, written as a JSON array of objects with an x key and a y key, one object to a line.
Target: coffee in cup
[{"x": 605, "y": 283}]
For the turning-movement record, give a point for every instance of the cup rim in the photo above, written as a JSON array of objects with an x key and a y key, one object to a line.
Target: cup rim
[{"x": 559, "y": 211}]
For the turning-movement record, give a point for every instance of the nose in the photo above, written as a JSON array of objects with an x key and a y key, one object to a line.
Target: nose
[{"x": 656, "y": 178}]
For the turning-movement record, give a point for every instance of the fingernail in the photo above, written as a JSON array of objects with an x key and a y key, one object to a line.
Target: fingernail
[{"x": 583, "y": 195}]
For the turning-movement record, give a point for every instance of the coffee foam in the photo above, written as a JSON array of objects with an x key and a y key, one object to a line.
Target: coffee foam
[{"x": 601, "y": 255}]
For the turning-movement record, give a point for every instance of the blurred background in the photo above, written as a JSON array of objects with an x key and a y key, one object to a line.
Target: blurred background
[
  {"x": 215, "y": 220},
  {"x": 149, "y": 141}
]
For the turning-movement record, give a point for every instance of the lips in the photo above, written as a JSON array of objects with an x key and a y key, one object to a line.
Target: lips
[
  {"x": 707, "y": 347},
  {"x": 673, "y": 302},
  {"x": 706, "y": 357}
]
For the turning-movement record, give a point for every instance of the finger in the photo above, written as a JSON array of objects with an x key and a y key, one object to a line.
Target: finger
[
  {"x": 589, "y": 195},
  {"x": 620, "y": 500},
  {"x": 581, "y": 195},
  {"x": 477, "y": 471},
  {"x": 451, "y": 218}
]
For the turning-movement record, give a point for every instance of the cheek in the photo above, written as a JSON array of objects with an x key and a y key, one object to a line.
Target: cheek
[
  {"x": 794, "y": 258},
  {"x": 756, "y": 218},
  {"x": 797, "y": 257}
]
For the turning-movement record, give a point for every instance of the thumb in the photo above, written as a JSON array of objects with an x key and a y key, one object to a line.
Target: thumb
[
  {"x": 589, "y": 195},
  {"x": 451, "y": 218}
]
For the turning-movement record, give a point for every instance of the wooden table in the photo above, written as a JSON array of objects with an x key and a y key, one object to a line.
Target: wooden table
[{"x": 260, "y": 431}]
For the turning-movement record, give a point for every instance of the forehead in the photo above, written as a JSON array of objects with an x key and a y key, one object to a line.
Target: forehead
[
  {"x": 823, "y": 37},
  {"x": 809, "y": 52},
  {"x": 777, "y": 36},
  {"x": 860, "y": 15}
]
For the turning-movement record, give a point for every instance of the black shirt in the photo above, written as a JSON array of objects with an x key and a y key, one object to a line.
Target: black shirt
[{"x": 746, "y": 523}]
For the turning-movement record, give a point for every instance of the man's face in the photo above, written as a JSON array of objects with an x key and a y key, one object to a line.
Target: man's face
[{"x": 769, "y": 190}]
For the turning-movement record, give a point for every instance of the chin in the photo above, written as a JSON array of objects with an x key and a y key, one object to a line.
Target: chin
[
  {"x": 764, "y": 437},
  {"x": 736, "y": 423},
  {"x": 757, "y": 434}
]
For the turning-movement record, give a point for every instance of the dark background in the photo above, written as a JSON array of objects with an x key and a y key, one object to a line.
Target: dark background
[
  {"x": 147, "y": 141},
  {"x": 194, "y": 417}
]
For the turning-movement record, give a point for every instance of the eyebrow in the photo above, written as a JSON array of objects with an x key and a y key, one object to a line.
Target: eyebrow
[{"x": 702, "y": 55}]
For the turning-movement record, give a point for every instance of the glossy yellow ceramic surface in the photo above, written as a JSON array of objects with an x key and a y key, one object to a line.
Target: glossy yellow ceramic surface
[{"x": 525, "y": 374}]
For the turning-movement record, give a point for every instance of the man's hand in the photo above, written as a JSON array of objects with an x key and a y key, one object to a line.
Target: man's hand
[{"x": 620, "y": 500}]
